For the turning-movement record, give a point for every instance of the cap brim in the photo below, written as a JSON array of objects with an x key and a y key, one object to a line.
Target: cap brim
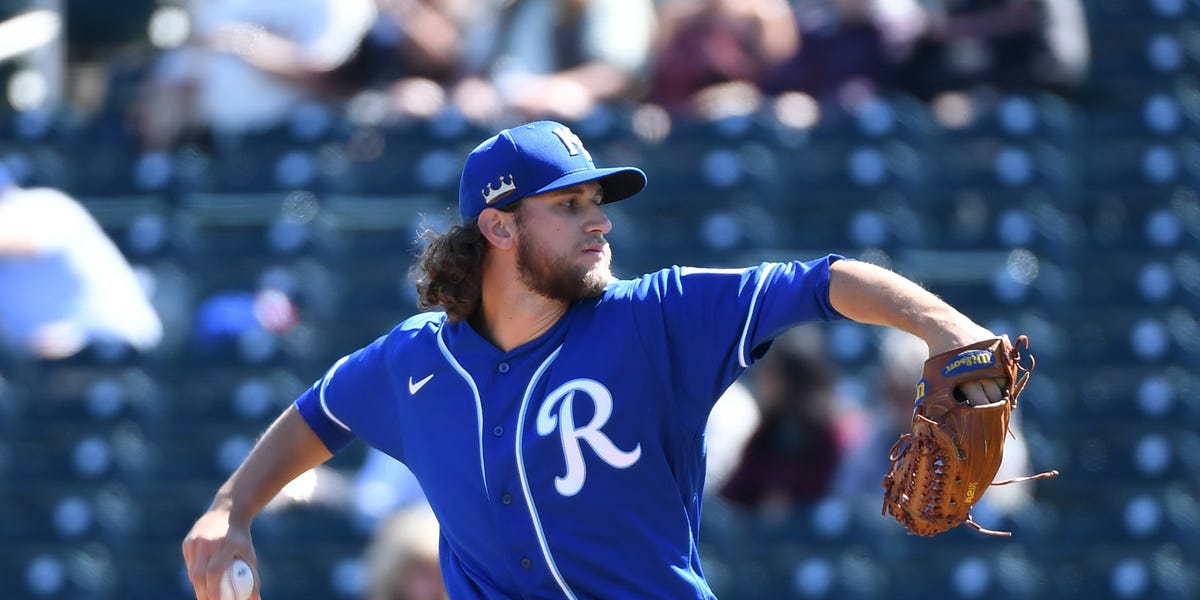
[{"x": 619, "y": 183}]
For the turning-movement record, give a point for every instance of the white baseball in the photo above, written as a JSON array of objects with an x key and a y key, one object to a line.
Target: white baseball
[{"x": 238, "y": 582}]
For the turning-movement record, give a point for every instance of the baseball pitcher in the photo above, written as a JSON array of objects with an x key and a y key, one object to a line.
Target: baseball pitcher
[{"x": 554, "y": 415}]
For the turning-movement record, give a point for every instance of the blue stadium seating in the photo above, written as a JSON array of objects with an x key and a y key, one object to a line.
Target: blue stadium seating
[{"x": 1072, "y": 219}]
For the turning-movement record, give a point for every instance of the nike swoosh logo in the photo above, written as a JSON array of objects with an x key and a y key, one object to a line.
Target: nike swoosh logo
[{"x": 413, "y": 388}]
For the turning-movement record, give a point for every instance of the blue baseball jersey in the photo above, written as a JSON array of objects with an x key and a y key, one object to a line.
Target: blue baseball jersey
[{"x": 571, "y": 466}]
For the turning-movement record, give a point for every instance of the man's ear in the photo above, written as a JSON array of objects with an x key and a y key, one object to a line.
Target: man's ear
[{"x": 498, "y": 227}]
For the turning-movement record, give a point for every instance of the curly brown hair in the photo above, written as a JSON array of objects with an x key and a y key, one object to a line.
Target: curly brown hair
[{"x": 449, "y": 271}]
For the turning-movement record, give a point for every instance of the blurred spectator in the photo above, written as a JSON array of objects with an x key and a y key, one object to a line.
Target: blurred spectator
[
  {"x": 402, "y": 559},
  {"x": 841, "y": 52},
  {"x": 66, "y": 287},
  {"x": 242, "y": 325},
  {"x": 416, "y": 38},
  {"x": 249, "y": 63},
  {"x": 414, "y": 52},
  {"x": 1008, "y": 44},
  {"x": 706, "y": 45},
  {"x": 792, "y": 457},
  {"x": 902, "y": 361},
  {"x": 33, "y": 52},
  {"x": 734, "y": 418},
  {"x": 556, "y": 58}
]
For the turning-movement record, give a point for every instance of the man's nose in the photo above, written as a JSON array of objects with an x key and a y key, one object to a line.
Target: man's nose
[{"x": 598, "y": 221}]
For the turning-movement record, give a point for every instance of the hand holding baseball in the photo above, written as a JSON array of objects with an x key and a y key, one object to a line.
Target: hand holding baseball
[
  {"x": 976, "y": 392},
  {"x": 220, "y": 558},
  {"x": 981, "y": 392}
]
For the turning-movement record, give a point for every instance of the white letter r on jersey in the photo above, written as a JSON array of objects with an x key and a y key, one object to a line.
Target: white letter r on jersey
[{"x": 572, "y": 482}]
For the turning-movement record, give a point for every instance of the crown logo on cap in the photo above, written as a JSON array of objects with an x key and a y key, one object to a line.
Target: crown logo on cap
[{"x": 492, "y": 194}]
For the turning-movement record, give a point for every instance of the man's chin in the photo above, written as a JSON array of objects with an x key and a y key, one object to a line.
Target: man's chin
[
  {"x": 571, "y": 284},
  {"x": 599, "y": 277}
]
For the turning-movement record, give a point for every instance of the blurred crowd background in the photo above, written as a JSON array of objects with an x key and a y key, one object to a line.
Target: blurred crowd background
[{"x": 204, "y": 203}]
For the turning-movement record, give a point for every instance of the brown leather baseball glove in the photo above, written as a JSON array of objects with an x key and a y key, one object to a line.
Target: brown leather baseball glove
[{"x": 941, "y": 469}]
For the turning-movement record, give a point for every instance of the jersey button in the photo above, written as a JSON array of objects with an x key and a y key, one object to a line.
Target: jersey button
[
  {"x": 526, "y": 563},
  {"x": 503, "y": 368},
  {"x": 497, "y": 431},
  {"x": 506, "y": 498}
]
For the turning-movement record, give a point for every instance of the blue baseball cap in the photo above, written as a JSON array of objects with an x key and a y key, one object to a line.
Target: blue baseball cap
[{"x": 532, "y": 159}]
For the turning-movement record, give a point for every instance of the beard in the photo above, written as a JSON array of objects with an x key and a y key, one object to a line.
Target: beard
[{"x": 558, "y": 277}]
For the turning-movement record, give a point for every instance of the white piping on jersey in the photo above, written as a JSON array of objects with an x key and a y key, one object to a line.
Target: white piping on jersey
[
  {"x": 750, "y": 315},
  {"x": 478, "y": 403},
  {"x": 321, "y": 393},
  {"x": 533, "y": 514}
]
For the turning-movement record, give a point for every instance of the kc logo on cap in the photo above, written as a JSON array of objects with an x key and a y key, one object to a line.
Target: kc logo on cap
[{"x": 532, "y": 159}]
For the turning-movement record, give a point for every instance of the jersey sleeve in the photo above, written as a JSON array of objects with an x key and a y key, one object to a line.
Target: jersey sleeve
[
  {"x": 341, "y": 401},
  {"x": 717, "y": 322},
  {"x": 785, "y": 295}
]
